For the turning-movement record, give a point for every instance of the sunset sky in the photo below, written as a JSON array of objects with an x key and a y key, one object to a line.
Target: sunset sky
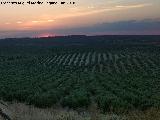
[{"x": 83, "y": 17}]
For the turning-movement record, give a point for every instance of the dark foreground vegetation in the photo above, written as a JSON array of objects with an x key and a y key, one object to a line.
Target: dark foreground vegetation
[{"x": 117, "y": 73}]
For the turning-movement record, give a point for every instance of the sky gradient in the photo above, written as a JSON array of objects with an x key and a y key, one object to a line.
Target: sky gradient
[{"x": 109, "y": 16}]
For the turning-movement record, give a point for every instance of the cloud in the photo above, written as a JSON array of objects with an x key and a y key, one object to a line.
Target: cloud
[
  {"x": 134, "y": 27},
  {"x": 125, "y": 27},
  {"x": 134, "y": 6},
  {"x": 19, "y": 22},
  {"x": 51, "y": 20},
  {"x": 100, "y": 9}
]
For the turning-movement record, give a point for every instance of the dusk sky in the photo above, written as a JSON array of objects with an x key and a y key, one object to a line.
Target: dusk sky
[{"x": 83, "y": 17}]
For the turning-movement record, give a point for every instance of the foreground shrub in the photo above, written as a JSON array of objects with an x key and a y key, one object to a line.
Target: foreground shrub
[{"x": 78, "y": 98}]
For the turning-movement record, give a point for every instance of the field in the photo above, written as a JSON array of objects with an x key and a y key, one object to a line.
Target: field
[{"x": 117, "y": 73}]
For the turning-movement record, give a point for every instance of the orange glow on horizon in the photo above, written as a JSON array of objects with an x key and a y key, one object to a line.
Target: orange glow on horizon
[{"x": 45, "y": 35}]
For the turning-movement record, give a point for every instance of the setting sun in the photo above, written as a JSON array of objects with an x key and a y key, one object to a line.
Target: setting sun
[{"x": 45, "y": 35}]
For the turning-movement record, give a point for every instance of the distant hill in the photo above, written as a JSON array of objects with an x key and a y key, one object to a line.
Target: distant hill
[{"x": 81, "y": 40}]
